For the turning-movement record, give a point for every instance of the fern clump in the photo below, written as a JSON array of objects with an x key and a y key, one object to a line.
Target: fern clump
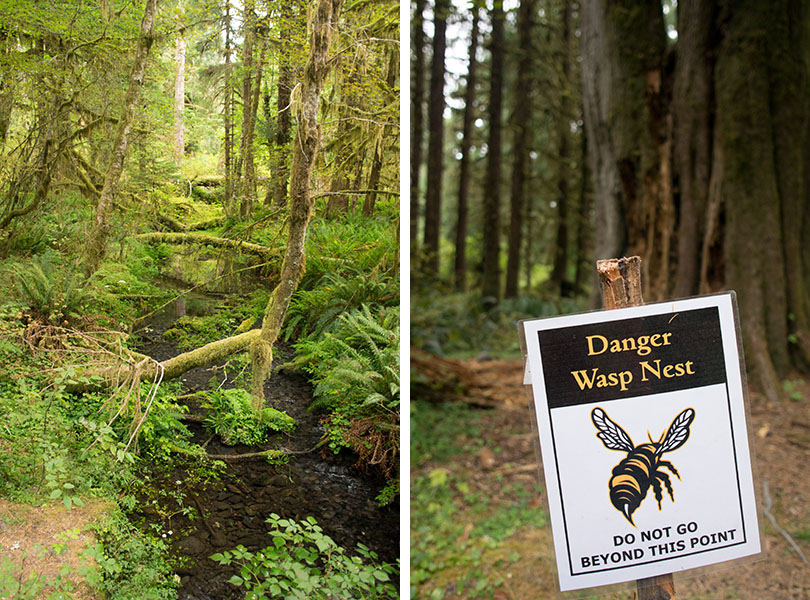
[
  {"x": 314, "y": 311},
  {"x": 355, "y": 368},
  {"x": 50, "y": 293},
  {"x": 231, "y": 416}
]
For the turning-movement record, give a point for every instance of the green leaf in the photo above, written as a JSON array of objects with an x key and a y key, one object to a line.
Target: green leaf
[
  {"x": 56, "y": 493},
  {"x": 235, "y": 580}
]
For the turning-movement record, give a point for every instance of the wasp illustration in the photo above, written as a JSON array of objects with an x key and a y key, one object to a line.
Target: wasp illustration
[{"x": 642, "y": 466}]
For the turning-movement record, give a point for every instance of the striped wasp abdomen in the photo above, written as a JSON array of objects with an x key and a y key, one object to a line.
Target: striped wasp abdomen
[{"x": 642, "y": 467}]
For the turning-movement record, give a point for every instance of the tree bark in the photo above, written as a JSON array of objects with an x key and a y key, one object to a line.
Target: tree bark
[
  {"x": 228, "y": 116},
  {"x": 245, "y": 173},
  {"x": 559, "y": 271},
  {"x": 625, "y": 98},
  {"x": 97, "y": 242},
  {"x": 521, "y": 117},
  {"x": 462, "y": 211},
  {"x": 281, "y": 148},
  {"x": 417, "y": 116},
  {"x": 324, "y": 20},
  {"x": 435, "y": 166},
  {"x": 581, "y": 242},
  {"x": 491, "y": 276},
  {"x": 392, "y": 75},
  {"x": 691, "y": 108},
  {"x": 179, "y": 94},
  {"x": 754, "y": 242}
]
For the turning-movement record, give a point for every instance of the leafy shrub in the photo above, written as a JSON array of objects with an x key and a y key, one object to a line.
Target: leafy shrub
[
  {"x": 231, "y": 416},
  {"x": 133, "y": 565},
  {"x": 313, "y": 311},
  {"x": 303, "y": 562}
]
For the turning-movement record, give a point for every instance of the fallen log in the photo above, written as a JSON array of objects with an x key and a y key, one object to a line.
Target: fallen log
[
  {"x": 179, "y": 227},
  {"x": 187, "y": 237},
  {"x": 147, "y": 368}
]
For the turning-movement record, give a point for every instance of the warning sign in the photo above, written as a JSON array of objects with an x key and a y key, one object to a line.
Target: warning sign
[{"x": 642, "y": 425}]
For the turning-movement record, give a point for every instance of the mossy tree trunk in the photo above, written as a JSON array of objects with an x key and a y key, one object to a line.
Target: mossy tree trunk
[
  {"x": 308, "y": 136},
  {"x": 179, "y": 94},
  {"x": 97, "y": 240}
]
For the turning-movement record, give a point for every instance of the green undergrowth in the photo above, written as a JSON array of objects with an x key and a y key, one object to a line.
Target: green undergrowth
[
  {"x": 303, "y": 562},
  {"x": 189, "y": 210},
  {"x": 68, "y": 448},
  {"x": 462, "y": 522},
  {"x": 230, "y": 415},
  {"x": 461, "y": 325},
  {"x": 227, "y": 318},
  {"x": 349, "y": 244},
  {"x": 354, "y": 365}
]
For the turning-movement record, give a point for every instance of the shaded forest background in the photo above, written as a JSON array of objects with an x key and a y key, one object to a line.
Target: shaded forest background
[{"x": 549, "y": 134}]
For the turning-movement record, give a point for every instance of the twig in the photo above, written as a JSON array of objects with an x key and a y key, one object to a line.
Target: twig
[{"x": 768, "y": 505}]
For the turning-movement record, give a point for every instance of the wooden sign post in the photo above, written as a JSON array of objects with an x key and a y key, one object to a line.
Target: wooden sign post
[
  {"x": 620, "y": 283},
  {"x": 625, "y": 507}
]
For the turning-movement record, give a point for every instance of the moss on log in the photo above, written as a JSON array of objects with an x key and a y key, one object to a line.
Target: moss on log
[{"x": 187, "y": 237}]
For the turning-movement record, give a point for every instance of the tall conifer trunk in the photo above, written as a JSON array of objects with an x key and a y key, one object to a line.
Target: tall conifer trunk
[
  {"x": 435, "y": 166},
  {"x": 462, "y": 211},
  {"x": 417, "y": 116},
  {"x": 522, "y": 119},
  {"x": 491, "y": 277}
]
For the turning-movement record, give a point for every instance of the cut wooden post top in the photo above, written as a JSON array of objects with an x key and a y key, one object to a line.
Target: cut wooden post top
[{"x": 620, "y": 281}]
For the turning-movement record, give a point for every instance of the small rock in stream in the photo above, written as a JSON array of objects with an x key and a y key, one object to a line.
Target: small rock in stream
[{"x": 192, "y": 545}]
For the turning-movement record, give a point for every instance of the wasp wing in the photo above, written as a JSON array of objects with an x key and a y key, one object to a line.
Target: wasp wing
[
  {"x": 678, "y": 432},
  {"x": 612, "y": 436}
]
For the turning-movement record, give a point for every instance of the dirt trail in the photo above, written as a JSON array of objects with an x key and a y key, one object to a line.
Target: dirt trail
[{"x": 781, "y": 438}]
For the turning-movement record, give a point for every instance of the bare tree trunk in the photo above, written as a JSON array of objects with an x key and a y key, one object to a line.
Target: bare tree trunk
[
  {"x": 417, "y": 116},
  {"x": 462, "y": 212},
  {"x": 559, "y": 272},
  {"x": 624, "y": 95},
  {"x": 691, "y": 108},
  {"x": 433, "y": 196},
  {"x": 521, "y": 117},
  {"x": 179, "y": 95},
  {"x": 583, "y": 220},
  {"x": 491, "y": 277},
  {"x": 97, "y": 241},
  {"x": 324, "y": 20}
]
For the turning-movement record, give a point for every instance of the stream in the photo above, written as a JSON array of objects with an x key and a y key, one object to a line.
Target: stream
[{"x": 232, "y": 510}]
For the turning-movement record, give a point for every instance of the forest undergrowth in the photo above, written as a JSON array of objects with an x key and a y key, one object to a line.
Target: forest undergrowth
[{"x": 66, "y": 448}]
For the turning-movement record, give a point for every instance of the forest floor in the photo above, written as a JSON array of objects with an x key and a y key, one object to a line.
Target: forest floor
[{"x": 465, "y": 456}]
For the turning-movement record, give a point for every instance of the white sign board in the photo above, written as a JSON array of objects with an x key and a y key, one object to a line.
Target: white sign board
[{"x": 642, "y": 425}]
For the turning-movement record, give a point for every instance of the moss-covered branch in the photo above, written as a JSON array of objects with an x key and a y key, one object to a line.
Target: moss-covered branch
[
  {"x": 147, "y": 369},
  {"x": 186, "y": 237}
]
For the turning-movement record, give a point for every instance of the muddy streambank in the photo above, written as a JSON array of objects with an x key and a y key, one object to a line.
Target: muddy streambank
[{"x": 232, "y": 510}]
